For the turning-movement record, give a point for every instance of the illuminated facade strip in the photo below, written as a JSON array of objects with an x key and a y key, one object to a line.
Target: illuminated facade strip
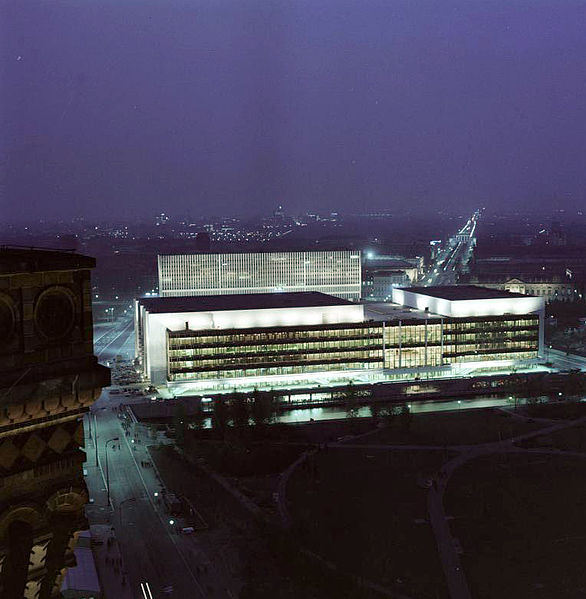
[
  {"x": 336, "y": 273},
  {"x": 418, "y": 344}
]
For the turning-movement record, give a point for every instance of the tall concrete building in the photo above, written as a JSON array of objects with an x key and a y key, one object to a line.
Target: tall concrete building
[
  {"x": 48, "y": 379},
  {"x": 336, "y": 273}
]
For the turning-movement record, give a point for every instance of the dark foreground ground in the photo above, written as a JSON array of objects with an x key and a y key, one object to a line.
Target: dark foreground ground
[{"x": 358, "y": 500}]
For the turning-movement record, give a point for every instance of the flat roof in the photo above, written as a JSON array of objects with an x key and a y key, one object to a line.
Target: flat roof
[
  {"x": 241, "y": 301},
  {"x": 238, "y": 251},
  {"x": 386, "y": 263},
  {"x": 387, "y": 311},
  {"x": 463, "y": 292},
  {"x": 15, "y": 259}
]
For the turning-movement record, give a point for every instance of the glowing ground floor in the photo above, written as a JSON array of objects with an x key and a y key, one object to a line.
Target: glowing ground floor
[{"x": 311, "y": 385}]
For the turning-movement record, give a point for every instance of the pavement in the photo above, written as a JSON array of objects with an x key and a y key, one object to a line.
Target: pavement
[
  {"x": 152, "y": 550},
  {"x": 110, "y": 563},
  {"x": 564, "y": 360}
]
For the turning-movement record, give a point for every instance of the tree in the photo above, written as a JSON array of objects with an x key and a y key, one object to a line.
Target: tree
[
  {"x": 198, "y": 419},
  {"x": 239, "y": 411},
  {"x": 375, "y": 410},
  {"x": 262, "y": 408},
  {"x": 153, "y": 433},
  {"x": 180, "y": 423},
  {"x": 389, "y": 414},
  {"x": 405, "y": 417},
  {"x": 534, "y": 385},
  {"x": 220, "y": 415},
  {"x": 351, "y": 401},
  {"x": 574, "y": 383}
]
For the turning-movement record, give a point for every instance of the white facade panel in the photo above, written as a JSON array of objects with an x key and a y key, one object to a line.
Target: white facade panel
[
  {"x": 498, "y": 306},
  {"x": 155, "y": 326},
  {"x": 336, "y": 273}
]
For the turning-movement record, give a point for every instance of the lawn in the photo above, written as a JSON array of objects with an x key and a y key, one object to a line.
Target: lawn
[
  {"x": 520, "y": 521},
  {"x": 557, "y": 410},
  {"x": 572, "y": 438},
  {"x": 269, "y": 562},
  {"x": 453, "y": 428},
  {"x": 365, "y": 511}
]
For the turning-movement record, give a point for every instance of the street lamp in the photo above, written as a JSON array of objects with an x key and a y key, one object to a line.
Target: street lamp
[
  {"x": 95, "y": 436},
  {"x": 107, "y": 469}
]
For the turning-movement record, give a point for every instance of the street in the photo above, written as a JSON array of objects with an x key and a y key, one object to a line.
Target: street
[
  {"x": 152, "y": 549},
  {"x": 449, "y": 261},
  {"x": 114, "y": 338}
]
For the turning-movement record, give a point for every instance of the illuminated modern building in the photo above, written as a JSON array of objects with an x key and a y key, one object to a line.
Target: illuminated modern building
[
  {"x": 336, "y": 273},
  {"x": 280, "y": 339}
]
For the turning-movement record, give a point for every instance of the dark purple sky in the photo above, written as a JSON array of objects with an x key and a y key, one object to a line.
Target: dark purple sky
[{"x": 232, "y": 106}]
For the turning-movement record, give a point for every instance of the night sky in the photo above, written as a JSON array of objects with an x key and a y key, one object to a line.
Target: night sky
[{"x": 221, "y": 107}]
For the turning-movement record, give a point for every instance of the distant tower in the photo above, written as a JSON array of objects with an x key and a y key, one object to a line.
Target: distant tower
[
  {"x": 202, "y": 242},
  {"x": 279, "y": 212}
]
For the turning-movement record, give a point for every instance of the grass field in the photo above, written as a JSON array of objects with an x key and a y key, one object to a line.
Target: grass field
[
  {"x": 365, "y": 511},
  {"x": 572, "y": 438},
  {"x": 269, "y": 562},
  {"x": 454, "y": 428},
  {"x": 520, "y": 520},
  {"x": 562, "y": 410}
]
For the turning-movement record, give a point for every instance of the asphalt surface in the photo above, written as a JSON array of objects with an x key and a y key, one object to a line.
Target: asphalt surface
[
  {"x": 153, "y": 551},
  {"x": 114, "y": 339},
  {"x": 449, "y": 261}
]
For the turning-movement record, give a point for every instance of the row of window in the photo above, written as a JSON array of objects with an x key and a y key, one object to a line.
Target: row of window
[
  {"x": 262, "y": 337},
  {"x": 326, "y": 358},
  {"x": 327, "y": 345},
  {"x": 271, "y": 370},
  {"x": 207, "y": 271}
]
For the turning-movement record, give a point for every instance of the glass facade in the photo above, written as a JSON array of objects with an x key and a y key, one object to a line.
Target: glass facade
[
  {"x": 273, "y": 351},
  {"x": 336, "y": 273},
  {"x": 491, "y": 338},
  {"x": 413, "y": 344},
  {"x": 394, "y": 345}
]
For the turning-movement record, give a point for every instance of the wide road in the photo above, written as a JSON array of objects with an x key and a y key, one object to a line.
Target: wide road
[
  {"x": 449, "y": 261},
  {"x": 113, "y": 339},
  {"x": 153, "y": 551}
]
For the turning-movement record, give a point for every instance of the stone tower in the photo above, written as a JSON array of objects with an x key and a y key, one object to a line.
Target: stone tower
[{"x": 48, "y": 379}]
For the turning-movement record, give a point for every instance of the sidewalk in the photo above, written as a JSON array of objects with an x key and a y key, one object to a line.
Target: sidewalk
[
  {"x": 99, "y": 515},
  {"x": 111, "y": 569}
]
